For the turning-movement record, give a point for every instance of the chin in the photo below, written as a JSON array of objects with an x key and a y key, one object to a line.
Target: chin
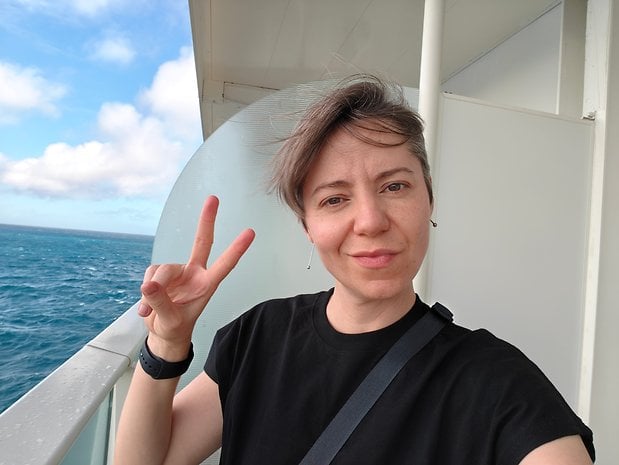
[{"x": 385, "y": 290}]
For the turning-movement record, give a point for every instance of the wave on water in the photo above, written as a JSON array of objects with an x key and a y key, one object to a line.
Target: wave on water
[{"x": 58, "y": 290}]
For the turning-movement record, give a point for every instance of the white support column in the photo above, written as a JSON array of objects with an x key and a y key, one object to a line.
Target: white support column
[
  {"x": 430, "y": 71},
  {"x": 429, "y": 92},
  {"x": 594, "y": 105},
  {"x": 602, "y": 87}
]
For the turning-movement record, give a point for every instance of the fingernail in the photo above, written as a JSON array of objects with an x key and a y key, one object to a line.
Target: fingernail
[{"x": 142, "y": 309}]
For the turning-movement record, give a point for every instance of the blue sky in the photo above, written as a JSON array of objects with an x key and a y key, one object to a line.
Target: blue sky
[{"x": 98, "y": 111}]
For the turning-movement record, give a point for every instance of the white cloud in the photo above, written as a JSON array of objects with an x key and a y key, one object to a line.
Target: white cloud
[
  {"x": 113, "y": 49},
  {"x": 173, "y": 95},
  {"x": 138, "y": 154},
  {"x": 25, "y": 89}
]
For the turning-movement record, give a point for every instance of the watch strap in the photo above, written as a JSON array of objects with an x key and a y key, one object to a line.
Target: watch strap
[{"x": 158, "y": 368}]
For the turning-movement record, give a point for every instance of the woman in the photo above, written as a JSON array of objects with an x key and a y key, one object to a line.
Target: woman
[{"x": 355, "y": 173}]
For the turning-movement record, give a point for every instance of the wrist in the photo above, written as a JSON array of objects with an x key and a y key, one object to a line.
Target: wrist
[
  {"x": 160, "y": 368},
  {"x": 169, "y": 351}
]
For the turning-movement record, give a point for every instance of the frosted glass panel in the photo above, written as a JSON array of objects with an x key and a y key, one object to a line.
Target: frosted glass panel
[{"x": 512, "y": 207}]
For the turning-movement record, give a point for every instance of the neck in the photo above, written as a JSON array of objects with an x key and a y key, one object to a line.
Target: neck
[{"x": 354, "y": 315}]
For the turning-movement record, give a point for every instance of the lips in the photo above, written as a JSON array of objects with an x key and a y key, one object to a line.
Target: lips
[{"x": 375, "y": 259}]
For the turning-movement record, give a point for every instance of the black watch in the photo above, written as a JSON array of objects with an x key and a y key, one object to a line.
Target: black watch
[{"x": 158, "y": 368}]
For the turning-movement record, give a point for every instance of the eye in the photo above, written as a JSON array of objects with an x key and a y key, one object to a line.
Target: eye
[
  {"x": 332, "y": 201},
  {"x": 395, "y": 186}
]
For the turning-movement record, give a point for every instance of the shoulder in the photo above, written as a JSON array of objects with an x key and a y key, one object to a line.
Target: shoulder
[
  {"x": 261, "y": 333},
  {"x": 523, "y": 408},
  {"x": 493, "y": 369},
  {"x": 481, "y": 350}
]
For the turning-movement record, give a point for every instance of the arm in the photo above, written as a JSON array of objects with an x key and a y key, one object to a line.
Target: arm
[
  {"x": 155, "y": 426},
  {"x": 568, "y": 450}
]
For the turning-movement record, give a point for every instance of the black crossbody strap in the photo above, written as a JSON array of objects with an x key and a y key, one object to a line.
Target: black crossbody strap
[{"x": 371, "y": 388}]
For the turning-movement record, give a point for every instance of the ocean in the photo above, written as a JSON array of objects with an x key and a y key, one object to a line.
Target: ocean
[{"x": 58, "y": 290}]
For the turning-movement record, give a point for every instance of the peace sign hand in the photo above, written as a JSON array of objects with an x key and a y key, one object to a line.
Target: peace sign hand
[{"x": 174, "y": 295}]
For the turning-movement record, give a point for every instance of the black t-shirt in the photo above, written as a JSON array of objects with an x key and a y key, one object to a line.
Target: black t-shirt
[{"x": 466, "y": 398}]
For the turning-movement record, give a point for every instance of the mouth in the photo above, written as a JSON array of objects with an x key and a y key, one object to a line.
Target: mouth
[{"x": 374, "y": 259}]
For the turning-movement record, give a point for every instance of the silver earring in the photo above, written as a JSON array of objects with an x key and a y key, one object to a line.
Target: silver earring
[
  {"x": 434, "y": 223},
  {"x": 309, "y": 263}
]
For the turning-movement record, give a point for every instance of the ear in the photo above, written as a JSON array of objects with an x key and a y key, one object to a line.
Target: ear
[{"x": 307, "y": 233}]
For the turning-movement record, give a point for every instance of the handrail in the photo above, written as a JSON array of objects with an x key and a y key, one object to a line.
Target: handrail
[{"x": 41, "y": 426}]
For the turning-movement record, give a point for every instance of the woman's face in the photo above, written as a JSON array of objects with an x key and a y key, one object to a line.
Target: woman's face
[{"x": 367, "y": 211}]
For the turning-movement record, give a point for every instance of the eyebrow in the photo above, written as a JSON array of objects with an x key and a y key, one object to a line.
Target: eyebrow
[{"x": 382, "y": 175}]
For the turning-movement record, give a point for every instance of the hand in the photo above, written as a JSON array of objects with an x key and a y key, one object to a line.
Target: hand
[{"x": 174, "y": 295}]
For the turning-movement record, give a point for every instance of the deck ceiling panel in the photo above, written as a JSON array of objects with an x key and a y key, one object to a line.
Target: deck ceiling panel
[
  {"x": 310, "y": 35},
  {"x": 275, "y": 43},
  {"x": 386, "y": 40},
  {"x": 243, "y": 36}
]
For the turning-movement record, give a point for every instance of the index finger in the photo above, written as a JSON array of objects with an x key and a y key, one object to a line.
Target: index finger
[
  {"x": 231, "y": 256},
  {"x": 205, "y": 232}
]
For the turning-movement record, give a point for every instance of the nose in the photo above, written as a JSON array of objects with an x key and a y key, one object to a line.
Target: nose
[{"x": 371, "y": 217}]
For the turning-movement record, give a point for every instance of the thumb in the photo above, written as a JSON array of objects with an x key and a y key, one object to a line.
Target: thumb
[{"x": 155, "y": 297}]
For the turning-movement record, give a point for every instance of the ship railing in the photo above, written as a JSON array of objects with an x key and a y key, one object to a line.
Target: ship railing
[{"x": 70, "y": 416}]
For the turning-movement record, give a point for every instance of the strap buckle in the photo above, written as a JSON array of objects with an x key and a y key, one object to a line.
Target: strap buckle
[{"x": 443, "y": 311}]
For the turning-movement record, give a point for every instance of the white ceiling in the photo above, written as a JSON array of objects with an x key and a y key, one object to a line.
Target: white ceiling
[
  {"x": 278, "y": 43},
  {"x": 275, "y": 43}
]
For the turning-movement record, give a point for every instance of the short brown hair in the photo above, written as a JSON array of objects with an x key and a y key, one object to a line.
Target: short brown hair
[{"x": 350, "y": 105}]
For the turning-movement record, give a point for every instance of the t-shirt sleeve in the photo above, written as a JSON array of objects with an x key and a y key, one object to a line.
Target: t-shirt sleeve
[
  {"x": 210, "y": 366},
  {"x": 218, "y": 361},
  {"x": 530, "y": 412}
]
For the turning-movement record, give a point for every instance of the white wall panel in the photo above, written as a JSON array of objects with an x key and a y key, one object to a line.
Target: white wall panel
[
  {"x": 522, "y": 71},
  {"x": 512, "y": 207}
]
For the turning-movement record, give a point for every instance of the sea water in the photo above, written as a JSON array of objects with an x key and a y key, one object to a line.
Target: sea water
[{"x": 58, "y": 290}]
